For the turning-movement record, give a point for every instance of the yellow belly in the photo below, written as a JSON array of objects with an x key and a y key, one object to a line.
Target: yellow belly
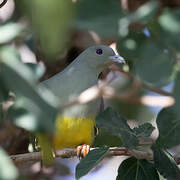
[{"x": 72, "y": 131}]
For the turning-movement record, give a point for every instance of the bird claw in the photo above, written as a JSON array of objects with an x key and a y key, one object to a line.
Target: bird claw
[{"x": 83, "y": 150}]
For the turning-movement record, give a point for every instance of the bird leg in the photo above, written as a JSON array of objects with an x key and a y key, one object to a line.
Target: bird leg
[{"x": 83, "y": 150}]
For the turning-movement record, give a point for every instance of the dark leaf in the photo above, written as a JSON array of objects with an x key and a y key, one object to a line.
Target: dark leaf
[
  {"x": 142, "y": 15},
  {"x": 90, "y": 161},
  {"x": 92, "y": 15},
  {"x": 144, "y": 130},
  {"x": 168, "y": 123},
  {"x": 4, "y": 93},
  {"x": 165, "y": 164},
  {"x": 106, "y": 139},
  {"x": 176, "y": 93},
  {"x": 133, "y": 168},
  {"x": 154, "y": 57},
  {"x": 169, "y": 30},
  {"x": 116, "y": 125},
  {"x": 129, "y": 46}
]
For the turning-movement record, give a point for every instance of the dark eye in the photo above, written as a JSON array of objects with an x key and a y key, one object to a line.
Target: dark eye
[{"x": 99, "y": 51}]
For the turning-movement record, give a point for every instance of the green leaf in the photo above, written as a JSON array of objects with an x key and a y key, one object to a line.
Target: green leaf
[
  {"x": 133, "y": 168},
  {"x": 42, "y": 105},
  {"x": 4, "y": 93},
  {"x": 129, "y": 46},
  {"x": 144, "y": 130},
  {"x": 153, "y": 57},
  {"x": 9, "y": 31},
  {"x": 165, "y": 164},
  {"x": 143, "y": 15},
  {"x": 176, "y": 93},
  {"x": 1, "y": 114},
  {"x": 168, "y": 123},
  {"x": 92, "y": 16},
  {"x": 50, "y": 21},
  {"x": 116, "y": 125},
  {"x": 169, "y": 31},
  {"x": 37, "y": 69},
  {"x": 90, "y": 161},
  {"x": 7, "y": 169},
  {"x": 105, "y": 139}
]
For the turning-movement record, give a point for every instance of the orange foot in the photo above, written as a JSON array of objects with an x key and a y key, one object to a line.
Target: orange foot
[{"x": 83, "y": 150}]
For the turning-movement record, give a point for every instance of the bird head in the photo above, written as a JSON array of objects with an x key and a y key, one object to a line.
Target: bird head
[{"x": 99, "y": 57}]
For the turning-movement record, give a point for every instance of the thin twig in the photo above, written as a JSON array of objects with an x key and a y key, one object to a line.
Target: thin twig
[
  {"x": 143, "y": 84},
  {"x": 3, "y": 3},
  {"x": 69, "y": 153},
  {"x": 108, "y": 92}
]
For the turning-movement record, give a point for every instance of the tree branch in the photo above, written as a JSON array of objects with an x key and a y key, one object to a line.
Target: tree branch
[{"x": 68, "y": 153}]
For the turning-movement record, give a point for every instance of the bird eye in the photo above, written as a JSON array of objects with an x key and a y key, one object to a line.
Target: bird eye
[{"x": 99, "y": 51}]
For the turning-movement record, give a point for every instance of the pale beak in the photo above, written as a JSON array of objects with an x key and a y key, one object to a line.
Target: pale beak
[{"x": 117, "y": 59}]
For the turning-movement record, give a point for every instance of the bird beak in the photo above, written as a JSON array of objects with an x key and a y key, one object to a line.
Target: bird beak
[{"x": 117, "y": 59}]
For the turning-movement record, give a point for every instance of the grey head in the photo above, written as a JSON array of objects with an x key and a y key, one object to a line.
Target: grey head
[{"x": 99, "y": 56}]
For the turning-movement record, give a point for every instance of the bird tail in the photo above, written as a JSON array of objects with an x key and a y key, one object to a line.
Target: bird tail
[{"x": 47, "y": 152}]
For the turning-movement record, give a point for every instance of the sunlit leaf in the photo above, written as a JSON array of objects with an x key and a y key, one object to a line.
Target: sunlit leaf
[
  {"x": 40, "y": 104},
  {"x": 7, "y": 170},
  {"x": 37, "y": 69},
  {"x": 9, "y": 31}
]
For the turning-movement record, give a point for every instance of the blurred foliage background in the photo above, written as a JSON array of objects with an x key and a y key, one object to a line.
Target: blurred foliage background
[{"x": 39, "y": 38}]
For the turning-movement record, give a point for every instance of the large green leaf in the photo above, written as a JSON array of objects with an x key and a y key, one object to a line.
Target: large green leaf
[
  {"x": 117, "y": 125},
  {"x": 90, "y": 161},
  {"x": 165, "y": 164},
  {"x": 50, "y": 21},
  {"x": 168, "y": 123},
  {"x": 22, "y": 81},
  {"x": 7, "y": 170},
  {"x": 135, "y": 169},
  {"x": 100, "y": 16}
]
